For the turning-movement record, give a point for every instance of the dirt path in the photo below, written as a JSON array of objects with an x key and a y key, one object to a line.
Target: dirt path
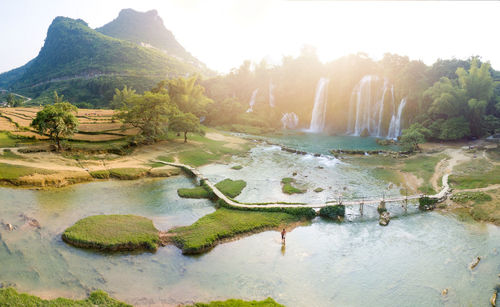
[{"x": 488, "y": 188}]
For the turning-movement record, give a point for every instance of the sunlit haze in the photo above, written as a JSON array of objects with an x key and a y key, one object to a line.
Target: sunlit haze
[{"x": 225, "y": 33}]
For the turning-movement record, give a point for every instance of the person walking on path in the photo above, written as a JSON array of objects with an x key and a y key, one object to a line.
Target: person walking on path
[{"x": 283, "y": 234}]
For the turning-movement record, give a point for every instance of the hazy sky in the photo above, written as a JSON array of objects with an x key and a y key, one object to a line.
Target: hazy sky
[{"x": 224, "y": 33}]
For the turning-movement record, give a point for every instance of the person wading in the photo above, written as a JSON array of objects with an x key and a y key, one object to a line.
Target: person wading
[{"x": 283, "y": 234}]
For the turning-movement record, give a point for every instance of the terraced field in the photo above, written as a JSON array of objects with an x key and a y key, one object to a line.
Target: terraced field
[{"x": 95, "y": 125}]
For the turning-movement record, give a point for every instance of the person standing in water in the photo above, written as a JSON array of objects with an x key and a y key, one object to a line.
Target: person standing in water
[{"x": 283, "y": 234}]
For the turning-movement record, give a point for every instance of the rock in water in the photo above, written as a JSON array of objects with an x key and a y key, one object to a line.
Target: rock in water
[
  {"x": 10, "y": 227},
  {"x": 384, "y": 218},
  {"x": 444, "y": 292},
  {"x": 493, "y": 299},
  {"x": 475, "y": 263}
]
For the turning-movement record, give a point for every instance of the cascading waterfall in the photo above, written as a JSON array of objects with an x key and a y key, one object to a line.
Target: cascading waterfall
[
  {"x": 271, "y": 94},
  {"x": 368, "y": 109},
  {"x": 319, "y": 110},
  {"x": 290, "y": 120},
  {"x": 395, "y": 125},
  {"x": 252, "y": 100}
]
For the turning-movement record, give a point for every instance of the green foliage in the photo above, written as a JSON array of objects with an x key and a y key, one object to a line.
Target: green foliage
[
  {"x": 427, "y": 203},
  {"x": 57, "y": 120},
  {"x": 149, "y": 112},
  {"x": 231, "y": 188},
  {"x": 185, "y": 122},
  {"x": 454, "y": 129},
  {"x": 464, "y": 197},
  {"x": 11, "y": 298},
  {"x": 6, "y": 140},
  {"x": 411, "y": 137},
  {"x": 288, "y": 188},
  {"x": 269, "y": 302},
  {"x": 225, "y": 223},
  {"x": 187, "y": 94},
  {"x": 237, "y": 167},
  {"x": 332, "y": 212},
  {"x": 113, "y": 232}
]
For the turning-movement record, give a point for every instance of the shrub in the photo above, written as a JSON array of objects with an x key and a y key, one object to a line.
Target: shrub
[
  {"x": 427, "y": 203},
  {"x": 332, "y": 211},
  {"x": 198, "y": 192}
]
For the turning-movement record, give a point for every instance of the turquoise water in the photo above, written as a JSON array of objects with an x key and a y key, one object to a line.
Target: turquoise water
[
  {"x": 319, "y": 143},
  {"x": 355, "y": 263}
]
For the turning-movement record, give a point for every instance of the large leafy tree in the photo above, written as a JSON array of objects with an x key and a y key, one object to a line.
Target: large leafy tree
[
  {"x": 120, "y": 98},
  {"x": 150, "y": 113},
  {"x": 57, "y": 121},
  {"x": 186, "y": 93},
  {"x": 185, "y": 122},
  {"x": 413, "y": 136}
]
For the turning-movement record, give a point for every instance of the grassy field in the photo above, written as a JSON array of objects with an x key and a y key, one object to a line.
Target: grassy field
[
  {"x": 225, "y": 223},
  {"x": 423, "y": 166},
  {"x": 288, "y": 188},
  {"x": 200, "y": 150},
  {"x": 127, "y": 173},
  {"x": 113, "y": 233},
  {"x": 479, "y": 206},
  {"x": 269, "y": 302},
  {"x": 477, "y": 173},
  {"x": 9, "y": 297}
]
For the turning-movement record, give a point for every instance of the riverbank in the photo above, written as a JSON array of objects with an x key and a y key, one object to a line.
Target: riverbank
[{"x": 47, "y": 169}]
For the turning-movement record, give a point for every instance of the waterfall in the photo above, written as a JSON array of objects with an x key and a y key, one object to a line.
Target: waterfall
[
  {"x": 290, "y": 120},
  {"x": 319, "y": 109},
  {"x": 368, "y": 108},
  {"x": 252, "y": 100},
  {"x": 395, "y": 125},
  {"x": 271, "y": 94}
]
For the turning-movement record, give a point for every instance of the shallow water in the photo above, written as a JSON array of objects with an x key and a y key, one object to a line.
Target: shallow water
[
  {"x": 320, "y": 143},
  {"x": 355, "y": 263}
]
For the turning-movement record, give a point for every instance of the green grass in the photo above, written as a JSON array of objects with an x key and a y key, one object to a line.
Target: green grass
[
  {"x": 464, "y": 197},
  {"x": 101, "y": 174},
  {"x": 198, "y": 192},
  {"x": 386, "y": 174},
  {"x": 423, "y": 167},
  {"x": 6, "y": 140},
  {"x": 156, "y": 164},
  {"x": 477, "y": 173},
  {"x": 8, "y": 154},
  {"x": 237, "y": 167},
  {"x": 231, "y": 188},
  {"x": 11, "y": 298},
  {"x": 201, "y": 150},
  {"x": 288, "y": 187},
  {"x": 225, "y": 223},
  {"x": 127, "y": 173},
  {"x": 228, "y": 187},
  {"x": 119, "y": 147},
  {"x": 10, "y": 172},
  {"x": 269, "y": 302},
  {"x": 113, "y": 232},
  {"x": 165, "y": 159}
]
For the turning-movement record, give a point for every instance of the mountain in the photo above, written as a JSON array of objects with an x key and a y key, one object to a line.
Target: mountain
[
  {"x": 147, "y": 29},
  {"x": 86, "y": 65}
]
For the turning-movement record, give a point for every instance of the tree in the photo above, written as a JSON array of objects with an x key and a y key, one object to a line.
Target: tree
[
  {"x": 121, "y": 97},
  {"x": 414, "y": 135},
  {"x": 57, "y": 120},
  {"x": 454, "y": 129},
  {"x": 185, "y": 122},
  {"x": 188, "y": 95},
  {"x": 58, "y": 98},
  {"x": 150, "y": 113}
]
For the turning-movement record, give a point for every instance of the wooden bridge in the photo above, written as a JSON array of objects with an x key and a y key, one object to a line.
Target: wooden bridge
[{"x": 442, "y": 195}]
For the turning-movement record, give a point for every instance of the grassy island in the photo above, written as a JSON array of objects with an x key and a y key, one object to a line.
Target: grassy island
[
  {"x": 288, "y": 187},
  {"x": 10, "y": 297},
  {"x": 230, "y": 188},
  {"x": 224, "y": 223},
  {"x": 113, "y": 233}
]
